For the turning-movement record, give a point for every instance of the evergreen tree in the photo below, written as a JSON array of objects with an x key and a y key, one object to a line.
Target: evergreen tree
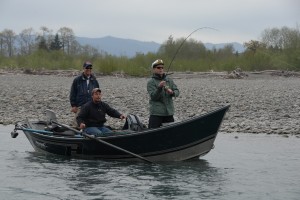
[{"x": 56, "y": 44}]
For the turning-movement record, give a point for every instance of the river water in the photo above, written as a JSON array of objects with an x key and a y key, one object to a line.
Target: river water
[{"x": 241, "y": 166}]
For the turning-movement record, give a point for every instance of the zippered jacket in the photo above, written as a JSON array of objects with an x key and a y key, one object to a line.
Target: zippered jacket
[
  {"x": 161, "y": 103},
  {"x": 80, "y": 91}
]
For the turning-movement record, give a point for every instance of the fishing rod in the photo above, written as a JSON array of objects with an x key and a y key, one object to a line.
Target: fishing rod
[{"x": 183, "y": 43}]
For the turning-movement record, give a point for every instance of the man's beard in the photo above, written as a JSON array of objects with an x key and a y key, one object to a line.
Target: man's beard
[{"x": 97, "y": 100}]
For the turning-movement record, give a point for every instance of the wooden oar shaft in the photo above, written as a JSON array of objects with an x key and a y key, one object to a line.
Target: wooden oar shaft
[{"x": 103, "y": 142}]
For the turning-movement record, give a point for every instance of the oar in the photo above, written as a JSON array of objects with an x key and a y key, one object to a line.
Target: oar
[
  {"x": 103, "y": 142},
  {"x": 34, "y": 130},
  {"x": 14, "y": 133}
]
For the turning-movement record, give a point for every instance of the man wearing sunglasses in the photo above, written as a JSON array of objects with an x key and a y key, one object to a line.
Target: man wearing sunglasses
[
  {"x": 81, "y": 89},
  {"x": 161, "y": 90}
]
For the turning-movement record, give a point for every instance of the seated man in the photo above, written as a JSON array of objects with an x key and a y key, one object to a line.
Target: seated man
[{"x": 91, "y": 117}]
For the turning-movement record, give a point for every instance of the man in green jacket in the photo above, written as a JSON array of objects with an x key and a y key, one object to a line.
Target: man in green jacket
[{"x": 161, "y": 90}]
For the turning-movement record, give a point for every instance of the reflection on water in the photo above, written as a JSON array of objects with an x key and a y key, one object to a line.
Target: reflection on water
[
  {"x": 243, "y": 167},
  {"x": 115, "y": 179}
]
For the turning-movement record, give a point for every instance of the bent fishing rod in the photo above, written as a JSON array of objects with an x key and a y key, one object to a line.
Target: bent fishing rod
[{"x": 183, "y": 43}]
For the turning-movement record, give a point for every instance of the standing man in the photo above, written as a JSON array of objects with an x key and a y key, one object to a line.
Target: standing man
[
  {"x": 91, "y": 117},
  {"x": 81, "y": 88},
  {"x": 161, "y": 90}
]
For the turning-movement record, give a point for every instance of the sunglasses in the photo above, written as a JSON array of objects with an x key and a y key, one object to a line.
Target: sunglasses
[
  {"x": 88, "y": 68},
  {"x": 159, "y": 67}
]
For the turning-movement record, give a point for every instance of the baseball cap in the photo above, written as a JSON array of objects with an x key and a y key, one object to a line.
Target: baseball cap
[
  {"x": 96, "y": 90},
  {"x": 87, "y": 64}
]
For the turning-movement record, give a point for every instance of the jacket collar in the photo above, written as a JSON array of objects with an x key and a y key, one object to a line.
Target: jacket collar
[
  {"x": 157, "y": 76},
  {"x": 84, "y": 77}
]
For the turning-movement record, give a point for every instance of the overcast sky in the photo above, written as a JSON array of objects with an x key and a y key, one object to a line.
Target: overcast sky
[{"x": 153, "y": 20}]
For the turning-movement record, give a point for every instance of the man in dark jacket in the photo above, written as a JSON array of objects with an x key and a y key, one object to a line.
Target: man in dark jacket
[
  {"x": 82, "y": 87},
  {"x": 161, "y": 90},
  {"x": 91, "y": 117}
]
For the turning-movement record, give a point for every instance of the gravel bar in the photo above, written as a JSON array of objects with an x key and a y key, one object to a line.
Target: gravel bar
[{"x": 260, "y": 103}]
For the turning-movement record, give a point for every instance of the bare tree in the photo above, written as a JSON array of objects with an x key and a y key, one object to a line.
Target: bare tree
[
  {"x": 281, "y": 38},
  {"x": 89, "y": 50},
  {"x": 44, "y": 38},
  {"x": 67, "y": 39},
  {"x": 7, "y": 42},
  {"x": 75, "y": 48},
  {"x": 26, "y": 41},
  {"x": 1, "y": 44},
  {"x": 47, "y": 34},
  {"x": 290, "y": 38}
]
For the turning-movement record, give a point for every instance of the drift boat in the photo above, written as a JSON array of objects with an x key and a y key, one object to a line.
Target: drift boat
[{"x": 176, "y": 141}]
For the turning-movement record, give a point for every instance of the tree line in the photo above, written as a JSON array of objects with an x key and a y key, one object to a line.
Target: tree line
[
  {"x": 278, "y": 48},
  {"x": 29, "y": 41}
]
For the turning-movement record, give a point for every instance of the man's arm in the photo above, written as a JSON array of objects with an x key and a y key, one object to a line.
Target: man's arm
[
  {"x": 73, "y": 93},
  {"x": 154, "y": 91}
]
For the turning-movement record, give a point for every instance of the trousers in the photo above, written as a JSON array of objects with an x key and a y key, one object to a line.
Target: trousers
[
  {"x": 156, "y": 121},
  {"x": 97, "y": 131}
]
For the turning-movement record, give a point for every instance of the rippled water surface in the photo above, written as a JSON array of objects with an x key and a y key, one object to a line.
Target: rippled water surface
[{"x": 242, "y": 166}]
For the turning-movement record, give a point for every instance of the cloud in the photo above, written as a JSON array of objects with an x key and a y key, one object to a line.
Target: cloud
[{"x": 152, "y": 20}]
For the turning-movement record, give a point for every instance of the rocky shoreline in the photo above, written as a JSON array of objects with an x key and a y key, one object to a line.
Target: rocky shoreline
[{"x": 260, "y": 102}]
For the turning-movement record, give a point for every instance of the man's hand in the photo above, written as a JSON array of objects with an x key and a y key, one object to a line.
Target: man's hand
[
  {"x": 74, "y": 109},
  {"x": 82, "y": 125},
  {"x": 169, "y": 91},
  {"x": 122, "y": 116},
  {"x": 162, "y": 84}
]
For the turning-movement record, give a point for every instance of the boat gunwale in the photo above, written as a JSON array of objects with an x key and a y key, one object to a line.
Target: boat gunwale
[
  {"x": 135, "y": 133},
  {"x": 129, "y": 157}
]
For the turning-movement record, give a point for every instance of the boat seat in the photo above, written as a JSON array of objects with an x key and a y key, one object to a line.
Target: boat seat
[{"x": 50, "y": 115}]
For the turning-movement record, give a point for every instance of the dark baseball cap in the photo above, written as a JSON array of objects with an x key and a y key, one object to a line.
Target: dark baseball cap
[{"x": 87, "y": 64}]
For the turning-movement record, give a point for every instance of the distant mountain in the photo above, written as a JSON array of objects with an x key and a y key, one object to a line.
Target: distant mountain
[
  {"x": 118, "y": 46},
  {"x": 129, "y": 47}
]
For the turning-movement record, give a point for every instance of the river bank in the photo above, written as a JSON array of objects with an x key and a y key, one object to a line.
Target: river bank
[{"x": 260, "y": 102}]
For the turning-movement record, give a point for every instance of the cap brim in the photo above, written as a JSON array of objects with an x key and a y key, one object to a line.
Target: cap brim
[{"x": 157, "y": 65}]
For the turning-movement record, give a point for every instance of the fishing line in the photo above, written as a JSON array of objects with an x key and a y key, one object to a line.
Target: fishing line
[{"x": 183, "y": 43}]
